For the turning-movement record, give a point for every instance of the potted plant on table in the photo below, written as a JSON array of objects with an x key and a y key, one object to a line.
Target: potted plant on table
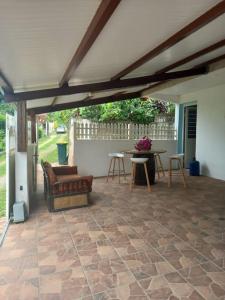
[{"x": 144, "y": 144}]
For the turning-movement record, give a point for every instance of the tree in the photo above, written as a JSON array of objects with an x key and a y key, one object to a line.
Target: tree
[
  {"x": 62, "y": 117},
  {"x": 135, "y": 110}
]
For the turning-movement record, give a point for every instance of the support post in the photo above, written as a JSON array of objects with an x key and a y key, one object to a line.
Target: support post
[
  {"x": 21, "y": 127},
  {"x": 33, "y": 128}
]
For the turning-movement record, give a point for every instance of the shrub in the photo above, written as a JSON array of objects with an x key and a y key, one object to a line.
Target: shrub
[
  {"x": 40, "y": 132},
  {"x": 2, "y": 140}
]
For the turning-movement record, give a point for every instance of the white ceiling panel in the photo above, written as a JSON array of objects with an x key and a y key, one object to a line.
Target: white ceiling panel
[
  {"x": 135, "y": 28},
  {"x": 39, "y": 102},
  {"x": 208, "y": 35},
  {"x": 71, "y": 98},
  {"x": 39, "y": 38},
  {"x": 202, "y": 82},
  {"x": 202, "y": 59},
  {"x": 112, "y": 92}
]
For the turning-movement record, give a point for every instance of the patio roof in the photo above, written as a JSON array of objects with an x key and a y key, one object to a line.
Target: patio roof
[{"x": 61, "y": 47}]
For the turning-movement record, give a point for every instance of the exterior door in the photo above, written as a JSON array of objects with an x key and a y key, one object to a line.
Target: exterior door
[{"x": 190, "y": 120}]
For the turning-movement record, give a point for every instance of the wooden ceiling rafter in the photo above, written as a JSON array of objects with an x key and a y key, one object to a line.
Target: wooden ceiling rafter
[
  {"x": 186, "y": 31},
  {"x": 102, "y": 86},
  {"x": 204, "y": 64},
  {"x": 192, "y": 56},
  {"x": 101, "y": 17},
  {"x": 6, "y": 83},
  {"x": 103, "y": 14}
]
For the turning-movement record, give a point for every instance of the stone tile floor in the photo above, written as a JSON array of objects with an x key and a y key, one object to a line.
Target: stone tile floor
[{"x": 167, "y": 244}]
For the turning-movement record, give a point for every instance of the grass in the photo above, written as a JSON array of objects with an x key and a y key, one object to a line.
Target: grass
[
  {"x": 2, "y": 164},
  {"x": 2, "y": 186},
  {"x": 48, "y": 148},
  {"x": 47, "y": 151},
  {"x": 2, "y": 201}
]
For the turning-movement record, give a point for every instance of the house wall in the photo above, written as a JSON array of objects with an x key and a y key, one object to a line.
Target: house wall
[
  {"x": 91, "y": 156},
  {"x": 210, "y": 141}
]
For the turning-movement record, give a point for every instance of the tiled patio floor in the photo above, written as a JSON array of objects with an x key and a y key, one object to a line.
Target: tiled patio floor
[{"x": 168, "y": 244}]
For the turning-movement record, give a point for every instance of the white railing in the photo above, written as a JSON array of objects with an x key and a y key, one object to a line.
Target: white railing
[{"x": 123, "y": 131}]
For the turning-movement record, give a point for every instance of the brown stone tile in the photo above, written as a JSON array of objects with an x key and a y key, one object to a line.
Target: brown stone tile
[
  {"x": 17, "y": 249},
  {"x": 93, "y": 252},
  {"x": 210, "y": 247},
  {"x": 70, "y": 284},
  {"x": 180, "y": 255},
  {"x": 57, "y": 260},
  {"x": 108, "y": 274},
  {"x": 169, "y": 286},
  {"x": 19, "y": 269},
  {"x": 83, "y": 233},
  {"x": 207, "y": 279},
  {"x": 25, "y": 290},
  {"x": 149, "y": 264},
  {"x": 130, "y": 291}
]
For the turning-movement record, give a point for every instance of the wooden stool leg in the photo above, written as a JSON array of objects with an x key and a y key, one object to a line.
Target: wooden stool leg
[
  {"x": 134, "y": 172},
  {"x": 124, "y": 173},
  {"x": 110, "y": 165},
  {"x": 161, "y": 165},
  {"x": 132, "y": 175},
  {"x": 170, "y": 172},
  {"x": 157, "y": 165},
  {"x": 182, "y": 172},
  {"x": 113, "y": 171},
  {"x": 119, "y": 168},
  {"x": 146, "y": 174}
]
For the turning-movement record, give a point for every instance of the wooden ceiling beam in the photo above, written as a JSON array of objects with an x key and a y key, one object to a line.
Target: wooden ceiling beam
[
  {"x": 83, "y": 103},
  {"x": 186, "y": 31},
  {"x": 102, "y": 86},
  {"x": 103, "y": 14}
]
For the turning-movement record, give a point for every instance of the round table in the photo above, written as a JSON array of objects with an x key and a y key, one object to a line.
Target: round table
[{"x": 140, "y": 178}]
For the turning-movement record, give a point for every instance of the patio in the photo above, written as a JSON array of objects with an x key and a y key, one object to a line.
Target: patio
[{"x": 168, "y": 244}]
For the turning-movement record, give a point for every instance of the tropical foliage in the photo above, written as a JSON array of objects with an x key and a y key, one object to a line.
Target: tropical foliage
[{"x": 135, "y": 110}]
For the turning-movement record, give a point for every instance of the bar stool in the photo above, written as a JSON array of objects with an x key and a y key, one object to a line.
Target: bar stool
[
  {"x": 180, "y": 172},
  {"x": 116, "y": 158},
  {"x": 158, "y": 164},
  {"x": 134, "y": 162}
]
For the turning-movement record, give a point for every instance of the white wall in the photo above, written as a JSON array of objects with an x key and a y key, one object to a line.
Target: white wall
[
  {"x": 210, "y": 141},
  {"x": 91, "y": 156},
  {"x": 21, "y": 175}
]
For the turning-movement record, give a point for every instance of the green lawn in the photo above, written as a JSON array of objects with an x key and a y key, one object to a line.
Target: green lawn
[
  {"x": 48, "y": 147},
  {"x": 47, "y": 151},
  {"x": 2, "y": 201},
  {"x": 2, "y": 186}
]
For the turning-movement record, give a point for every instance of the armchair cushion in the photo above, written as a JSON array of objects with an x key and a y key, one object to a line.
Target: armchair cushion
[
  {"x": 65, "y": 170},
  {"x": 77, "y": 185},
  {"x": 62, "y": 178}
]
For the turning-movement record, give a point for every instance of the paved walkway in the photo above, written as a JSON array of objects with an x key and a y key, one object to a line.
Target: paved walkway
[{"x": 168, "y": 244}]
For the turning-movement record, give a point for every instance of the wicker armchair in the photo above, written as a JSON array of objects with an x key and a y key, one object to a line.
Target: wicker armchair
[{"x": 64, "y": 188}]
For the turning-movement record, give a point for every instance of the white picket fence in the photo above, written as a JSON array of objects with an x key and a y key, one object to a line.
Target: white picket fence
[{"x": 123, "y": 131}]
